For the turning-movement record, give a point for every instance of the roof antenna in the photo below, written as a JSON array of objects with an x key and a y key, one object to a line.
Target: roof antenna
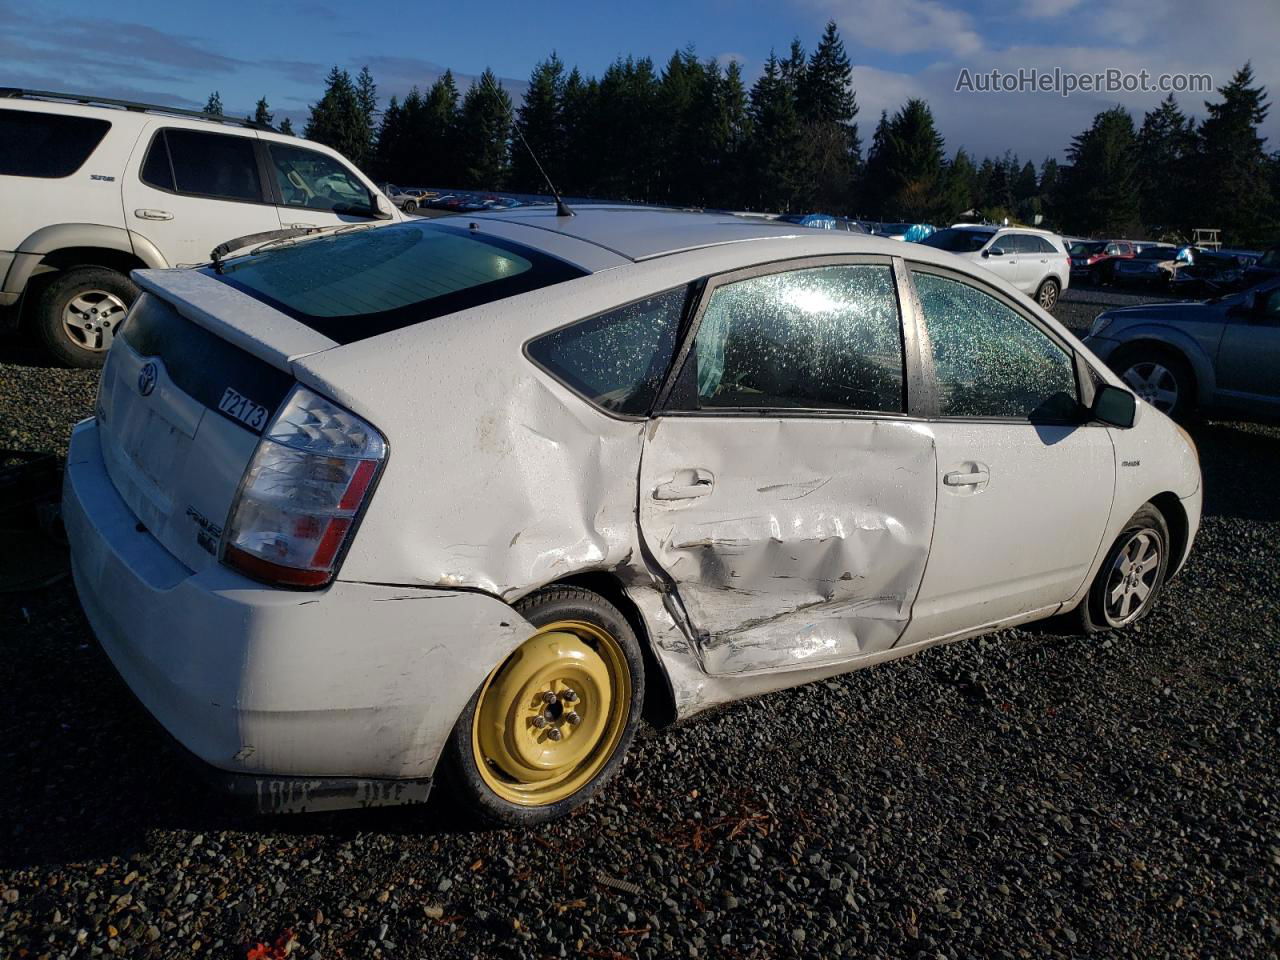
[{"x": 562, "y": 208}]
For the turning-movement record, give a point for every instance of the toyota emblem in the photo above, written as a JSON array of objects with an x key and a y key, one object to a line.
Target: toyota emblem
[{"x": 147, "y": 379}]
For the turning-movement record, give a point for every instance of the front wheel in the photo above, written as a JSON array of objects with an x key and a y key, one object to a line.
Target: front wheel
[
  {"x": 1047, "y": 294},
  {"x": 1162, "y": 379},
  {"x": 1131, "y": 576},
  {"x": 410, "y": 206},
  {"x": 551, "y": 724},
  {"x": 80, "y": 313}
]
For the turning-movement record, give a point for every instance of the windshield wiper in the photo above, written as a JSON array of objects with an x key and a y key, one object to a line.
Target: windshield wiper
[{"x": 257, "y": 240}]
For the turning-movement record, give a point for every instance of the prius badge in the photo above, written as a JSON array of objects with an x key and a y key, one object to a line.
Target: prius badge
[{"x": 147, "y": 379}]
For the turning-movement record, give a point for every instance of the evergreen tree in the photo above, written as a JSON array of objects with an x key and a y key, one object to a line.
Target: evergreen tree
[
  {"x": 432, "y": 124},
  {"x": 261, "y": 115},
  {"x": 286, "y": 127},
  {"x": 876, "y": 186},
  {"x": 1100, "y": 188},
  {"x": 336, "y": 119},
  {"x": 1050, "y": 186},
  {"x": 1236, "y": 195},
  {"x": 778, "y": 168},
  {"x": 484, "y": 132},
  {"x": 213, "y": 106},
  {"x": 960, "y": 188},
  {"x": 540, "y": 120},
  {"x": 827, "y": 107},
  {"x": 728, "y": 131},
  {"x": 997, "y": 195},
  {"x": 391, "y": 141},
  {"x": 577, "y": 113},
  {"x": 1166, "y": 155},
  {"x": 914, "y": 162},
  {"x": 367, "y": 99}
]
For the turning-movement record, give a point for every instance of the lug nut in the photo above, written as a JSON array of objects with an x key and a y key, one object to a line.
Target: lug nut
[
  {"x": 548, "y": 698},
  {"x": 569, "y": 696},
  {"x": 539, "y": 721},
  {"x": 554, "y": 734},
  {"x": 573, "y": 717}
]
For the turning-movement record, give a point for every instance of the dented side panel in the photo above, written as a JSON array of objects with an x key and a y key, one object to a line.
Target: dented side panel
[{"x": 791, "y": 543}]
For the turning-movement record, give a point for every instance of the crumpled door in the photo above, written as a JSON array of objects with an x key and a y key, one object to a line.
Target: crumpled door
[{"x": 791, "y": 542}]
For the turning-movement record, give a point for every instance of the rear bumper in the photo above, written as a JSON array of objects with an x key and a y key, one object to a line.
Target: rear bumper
[{"x": 304, "y": 699}]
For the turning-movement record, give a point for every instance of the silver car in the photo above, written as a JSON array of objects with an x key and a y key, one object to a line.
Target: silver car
[
  {"x": 1218, "y": 356},
  {"x": 449, "y": 500}
]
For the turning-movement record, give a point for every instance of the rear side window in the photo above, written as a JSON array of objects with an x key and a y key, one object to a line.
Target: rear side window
[
  {"x": 218, "y": 165},
  {"x": 308, "y": 178},
  {"x": 618, "y": 359},
  {"x": 825, "y": 338},
  {"x": 47, "y": 145},
  {"x": 363, "y": 282},
  {"x": 989, "y": 360}
]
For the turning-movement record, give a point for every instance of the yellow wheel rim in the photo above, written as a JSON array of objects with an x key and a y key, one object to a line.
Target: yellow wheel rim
[{"x": 551, "y": 716}]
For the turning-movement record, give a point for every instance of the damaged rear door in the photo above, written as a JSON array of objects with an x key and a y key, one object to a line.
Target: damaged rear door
[{"x": 782, "y": 490}]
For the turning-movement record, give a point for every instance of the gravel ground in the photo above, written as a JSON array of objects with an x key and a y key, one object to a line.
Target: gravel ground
[{"x": 1030, "y": 794}]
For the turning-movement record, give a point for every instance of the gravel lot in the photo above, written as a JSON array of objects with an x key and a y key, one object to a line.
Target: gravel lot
[{"x": 1029, "y": 794}]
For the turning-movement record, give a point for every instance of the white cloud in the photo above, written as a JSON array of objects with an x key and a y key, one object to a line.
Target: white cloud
[
  {"x": 903, "y": 26},
  {"x": 1048, "y": 9}
]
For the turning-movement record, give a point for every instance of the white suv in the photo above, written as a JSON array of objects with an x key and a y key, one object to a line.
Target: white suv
[
  {"x": 92, "y": 189},
  {"x": 1034, "y": 261}
]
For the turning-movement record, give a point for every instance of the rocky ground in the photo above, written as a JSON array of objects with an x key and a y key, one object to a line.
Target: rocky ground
[{"x": 1035, "y": 793}]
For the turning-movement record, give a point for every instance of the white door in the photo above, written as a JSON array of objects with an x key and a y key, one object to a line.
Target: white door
[
  {"x": 1024, "y": 484},
  {"x": 783, "y": 494},
  {"x": 1001, "y": 258},
  {"x": 190, "y": 190},
  {"x": 316, "y": 189}
]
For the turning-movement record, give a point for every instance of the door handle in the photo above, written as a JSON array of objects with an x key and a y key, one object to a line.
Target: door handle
[
  {"x": 961, "y": 478},
  {"x": 146, "y": 214},
  {"x": 300, "y": 226},
  {"x": 686, "y": 485}
]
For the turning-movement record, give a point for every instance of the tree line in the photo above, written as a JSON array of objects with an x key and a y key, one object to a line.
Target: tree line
[{"x": 692, "y": 133}]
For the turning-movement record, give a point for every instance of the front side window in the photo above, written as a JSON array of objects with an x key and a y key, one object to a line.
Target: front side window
[
  {"x": 46, "y": 145},
  {"x": 307, "y": 178},
  {"x": 616, "y": 360},
  {"x": 821, "y": 338},
  {"x": 989, "y": 360},
  {"x": 217, "y": 165}
]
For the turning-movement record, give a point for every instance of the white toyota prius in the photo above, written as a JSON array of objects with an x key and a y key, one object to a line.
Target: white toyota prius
[{"x": 446, "y": 501}]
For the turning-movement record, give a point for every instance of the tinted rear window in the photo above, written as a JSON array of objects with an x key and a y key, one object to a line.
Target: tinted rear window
[
  {"x": 349, "y": 286},
  {"x": 46, "y": 144},
  {"x": 219, "y": 165}
]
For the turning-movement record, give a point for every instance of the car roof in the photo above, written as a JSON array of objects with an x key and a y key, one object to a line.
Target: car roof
[{"x": 642, "y": 233}]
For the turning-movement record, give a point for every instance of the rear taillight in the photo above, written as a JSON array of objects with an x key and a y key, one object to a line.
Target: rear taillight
[{"x": 302, "y": 492}]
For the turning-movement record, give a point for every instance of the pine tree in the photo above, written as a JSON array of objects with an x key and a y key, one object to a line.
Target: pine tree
[
  {"x": 1166, "y": 154},
  {"x": 1237, "y": 196},
  {"x": 336, "y": 119},
  {"x": 577, "y": 112},
  {"x": 914, "y": 163},
  {"x": 959, "y": 193},
  {"x": 261, "y": 115},
  {"x": 432, "y": 123},
  {"x": 286, "y": 127},
  {"x": 391, "y": 138},
  {"x": 827, "y": 107},
  {"x": 485, "y": 129},
  {"x": 1100, "y": 188},
  {"x": 876, "y": 186},
  {"x": 778, "y": 168},
  {"x": 1050, "y": 187},
  {"x": 540, "y": 119},
  {"x": 213, "y": 106},
  {"x": 367, "y": 98}
]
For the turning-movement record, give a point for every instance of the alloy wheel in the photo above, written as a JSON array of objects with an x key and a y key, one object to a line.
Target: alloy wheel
[
  {"x": 1132, "y": 578},
  {"x": 91, "y": 319},
  {"x": 1154, "y": 383}
]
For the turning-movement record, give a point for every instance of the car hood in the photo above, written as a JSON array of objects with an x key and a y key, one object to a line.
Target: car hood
[{"x": 1186, "y": 311}]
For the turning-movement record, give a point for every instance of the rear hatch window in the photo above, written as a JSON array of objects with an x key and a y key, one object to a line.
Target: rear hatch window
[{"x": 349, "y": 286}]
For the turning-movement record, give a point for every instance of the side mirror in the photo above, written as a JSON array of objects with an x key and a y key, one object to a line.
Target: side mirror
[
  {"x": 993, "y": 252},
  {"x": 1114, "y": 407}
]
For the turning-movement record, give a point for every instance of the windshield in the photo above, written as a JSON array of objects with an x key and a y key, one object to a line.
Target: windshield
[
  {"x": 958, "y": 241},
  {"x": 349, "y": 286},
  {"x": 1086, "y": 249}
]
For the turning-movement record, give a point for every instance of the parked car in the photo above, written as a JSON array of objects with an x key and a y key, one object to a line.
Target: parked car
[
  {"x": 1209, "y": 273},
  {"x": 1264, "y": 268},
  {"x": 1034, "y": 261},
  {"x": 1152, "y": 266},
  {"x": 92, "y": 188},
  {"x": 1218, "y": 356},
  {"x": 430, "y": 501},
  {"x": 405, "y": 198},
  {"x": 1095, "y": 260}
]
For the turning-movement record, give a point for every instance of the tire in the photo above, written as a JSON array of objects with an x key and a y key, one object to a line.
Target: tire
[
  {"x": 1047, "y": 294},
  {"x": 1102, "y": 608},
  {"x": 501, "y": 727},
  {"x": 80, "y": 312},
  {"x": 1095, "y": 276},
  {"x": 410, "y": 206},
  {"x": 1161, "y": 377}
]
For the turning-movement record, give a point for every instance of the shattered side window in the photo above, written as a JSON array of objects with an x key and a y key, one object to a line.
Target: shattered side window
[
  {"x": 616, "y": 360},
  {"x": 826, "y": 338},
  {"x": 989, "y": 360}
]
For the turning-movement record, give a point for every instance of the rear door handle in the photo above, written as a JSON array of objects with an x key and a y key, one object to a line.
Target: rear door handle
[
  {"x": 686, "y": 485},
  {"x": 146, "y": 214},
  {"x": 961, "y": 478}
]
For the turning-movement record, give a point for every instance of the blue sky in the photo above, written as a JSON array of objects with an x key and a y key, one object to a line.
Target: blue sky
[{"x": 176, "y": 52}]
